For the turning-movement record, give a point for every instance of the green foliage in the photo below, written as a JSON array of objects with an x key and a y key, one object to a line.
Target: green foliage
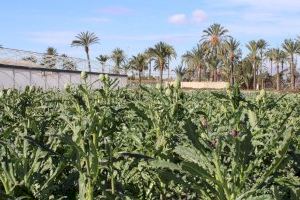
[{"x": 151, "y": 143}]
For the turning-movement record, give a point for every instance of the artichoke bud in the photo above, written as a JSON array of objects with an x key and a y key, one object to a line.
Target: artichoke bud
[
  {"x": 168, "y": 92},
  {"x": 101, "y": 77},
  {"x": 83, "y": 75},
  {"x": 177, "y": 84}
]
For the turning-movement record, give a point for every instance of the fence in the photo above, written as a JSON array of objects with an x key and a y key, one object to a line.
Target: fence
[
  {"x": 32, "y": 59},
  {"x": 20, "y": 68},
  {"x": 20, "y": 76}
]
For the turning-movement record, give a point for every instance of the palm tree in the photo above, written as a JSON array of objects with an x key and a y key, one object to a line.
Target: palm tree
[
  {"x": 139, "y": 63},
  {"x": 244, "y": 72},
  {"x": 180, "y": 71},
  {"x": 119, "y": 58},
  {"x": 68, "y": 63},
  {"x": 277, "y": 59},
  {"x": 213, "y": 37},
  {"x": 283, "y": 58},
  {"x": 102, "y": 59},
  {"x": 291, "y": 48},
  {"x": 213, "y": 63},
  {"x": 85, "y": 39},
  {"x": 270, "y": 56},
  {"x": 49, "y": 59},
  {"x": 253, "y": 48},
  {"x": 231, "y": 46},
  {"x": 261, "y": 45},
  {"x": 161, "y": 53},
  {"x": 195, "y": 59}
]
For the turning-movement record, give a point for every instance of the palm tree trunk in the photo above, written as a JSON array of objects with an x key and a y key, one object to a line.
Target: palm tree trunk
[
  {"x": 140, "y": 78},
  {"x": 292, "y": 73},
  {"x": 149, "y": 75},
  {"x": 161, "y": 75},
  {"x": 231, "y": 74},
  {"x": 278, "y": 78},
  {"x": 216, "y": 75},
  {"x": 254, "y": 76},
  {"x": 88, "y": 58},
  {"x": 199, "y": 74},
  {"x": 271, "y": 68}
]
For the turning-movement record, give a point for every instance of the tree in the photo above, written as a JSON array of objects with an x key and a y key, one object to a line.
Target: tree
[
  {"x": 270, "y": 56},
  {"x": 231, "y": 46},
  {"x": 119, "y": 58},
  {"x": 214, "y": 35},
  {"x": 180, "y": 72},
  {"x": 103, "y": 60},
  {"x": 213, "y": 63},
  {"x": 244, "y": 72},
  {"x": 253, "y": 48},
  {"x": 68, "y": 63},
  {"x": 85, "y": 40},
  {"x": 31, "y": 59},
  {"x": 261, "y": 45},
  {"x": 139, "y": 63},
  {"x": 195, "y": 59},
  {"x": 291, "y": 48},
  {"x": 161, "y": 53},
  {"x": 283, "y": 58},
  {"x": 277, "y": 59},
  {"x": 50, "y": 58},
  {"x": 212, "y": 38}
]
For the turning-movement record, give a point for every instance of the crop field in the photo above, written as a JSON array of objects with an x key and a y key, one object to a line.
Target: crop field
[{"x": 148, "y": 143}]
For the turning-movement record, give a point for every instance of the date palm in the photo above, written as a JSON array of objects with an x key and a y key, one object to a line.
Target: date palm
[
  {"x": 162, "y": 53},
  {"x": 291, "y": 47},
  {"x": 231, "y": 46},
  {"x": 277, "y": 60},
  {"x": 244, "y": 72},
  {"x": 139, "y": 63},
  {"x": 253, "y": 56},
  {"x": 49, "y": 59},
  {"x": 119, "y": 58},
  {"x": 180, "y": 72},
  {"x": 195, "y": 59},
  {"x": 214, "y": 35},
  {"x": 262, "y": 45},
  {"x": 68, "y": 63},
  {"x": 283, "y": 58},
  {"x": 103, "y": 60},
  {"x": 85, "y": 40},
  {"x": 270, "y": 56}
]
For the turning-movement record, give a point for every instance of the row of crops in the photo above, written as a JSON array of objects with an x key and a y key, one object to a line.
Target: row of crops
[{"x": 148, "y": 143}]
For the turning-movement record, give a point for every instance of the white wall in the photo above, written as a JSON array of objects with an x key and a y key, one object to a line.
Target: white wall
[{"x": 19, "y": 78}]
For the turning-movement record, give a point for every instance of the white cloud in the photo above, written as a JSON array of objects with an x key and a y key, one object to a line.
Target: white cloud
[
  {"x": 178, "y": 19},
  {"x": 198, "y": 16}
]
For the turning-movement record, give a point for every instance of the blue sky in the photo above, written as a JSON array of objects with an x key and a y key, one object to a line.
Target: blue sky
[{"x": 134, "y": 25}]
